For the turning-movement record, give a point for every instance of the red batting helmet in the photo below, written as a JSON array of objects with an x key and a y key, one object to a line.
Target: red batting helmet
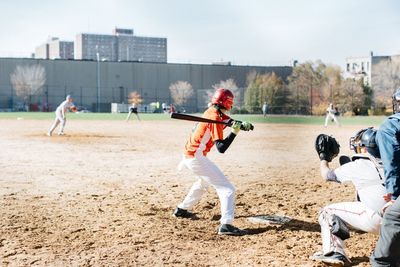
[{"x": 223, "y": 98}]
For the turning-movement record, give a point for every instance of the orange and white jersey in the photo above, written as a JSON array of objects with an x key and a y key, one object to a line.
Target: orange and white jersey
[{"x": 204, "y": 135}]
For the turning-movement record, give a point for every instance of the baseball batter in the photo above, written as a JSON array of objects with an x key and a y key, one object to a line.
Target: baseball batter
[
  {"x": 133, "y": 109},
  {"x": 365, "y": 171},
  {"x": 203, "y": 137},
  {"x": 61, "y": 113}
]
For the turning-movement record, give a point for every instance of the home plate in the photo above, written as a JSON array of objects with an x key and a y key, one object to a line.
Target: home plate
[{"x": 270, "y": 219}]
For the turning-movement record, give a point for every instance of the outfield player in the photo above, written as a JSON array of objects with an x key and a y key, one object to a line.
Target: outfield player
[
  {"x": 331, "y": 115},
  {"x": 265, "y": 109},
  {"x": 133, "y": 109},
  {"x": 387, "y": 251},
  {"x": 201, "y": 140},
  {"x": 61, "y": 115},
  {"x": 365, "y": 171}
]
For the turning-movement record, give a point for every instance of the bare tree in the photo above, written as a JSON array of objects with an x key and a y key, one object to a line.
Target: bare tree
[
  {"x": 305, "y": 86},
  {"x": 386, "y": 79},
  {"x": 181, "y": 91},
  {"x": 135, "y": 98},
  {"x": 332, "y": 80},
  {"x": 267, "y": 88},
  {"x": 28, "y": 81},
  {"x": 351, "y": 98}
]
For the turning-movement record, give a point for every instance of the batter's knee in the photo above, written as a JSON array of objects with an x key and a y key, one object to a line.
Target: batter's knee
[
  {"x": 203, "y": 185},
  {"x": 230, "y": 189}
]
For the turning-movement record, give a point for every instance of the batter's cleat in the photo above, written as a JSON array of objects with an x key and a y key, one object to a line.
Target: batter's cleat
[
  {"x": 334, "y": 259},
  {"x": 48, "y": 134},
  {"x": 181, "y": 213},
  {"x": 61, "y": 133},
  {"x": 228, "y": 229}
]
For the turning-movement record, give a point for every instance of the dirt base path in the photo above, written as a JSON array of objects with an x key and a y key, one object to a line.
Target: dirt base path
[{"x": 103, "y": 195}]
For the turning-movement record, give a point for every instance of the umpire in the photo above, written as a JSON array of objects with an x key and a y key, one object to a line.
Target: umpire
[{"x": 387, "y": 251}]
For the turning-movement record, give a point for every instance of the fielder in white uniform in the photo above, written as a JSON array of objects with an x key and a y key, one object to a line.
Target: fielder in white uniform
[
  {"x": 133, "y": 109},
  {"x": 61, "y": 113},
  {"x": 331, "y": 115},
  {"x": 365, "y": 171}
]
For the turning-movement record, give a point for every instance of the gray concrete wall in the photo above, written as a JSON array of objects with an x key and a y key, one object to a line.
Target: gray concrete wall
[{"x": 117, "y": 79}]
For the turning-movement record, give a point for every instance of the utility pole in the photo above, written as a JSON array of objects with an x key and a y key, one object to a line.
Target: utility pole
[{"x": 98, "y": 78}]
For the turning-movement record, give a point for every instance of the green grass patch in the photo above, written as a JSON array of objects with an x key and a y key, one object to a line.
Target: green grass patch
[
  {"x": 312, "y": 120},
  {"x": 288, "y": 119},
  {"x": 81, "y": 116}
]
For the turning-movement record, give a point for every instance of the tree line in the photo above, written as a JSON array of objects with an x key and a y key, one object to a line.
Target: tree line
[{"x": 308, "y": 90}]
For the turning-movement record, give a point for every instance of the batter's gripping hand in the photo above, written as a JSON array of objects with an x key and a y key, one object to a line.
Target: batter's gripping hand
[
  {"x": 246, "y": 126},
  {"x": 327, "y": 147},
  {"x": 236, "y": 127}
]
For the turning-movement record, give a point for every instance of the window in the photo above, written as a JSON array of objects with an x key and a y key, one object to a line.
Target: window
[{"x": 348, "y": 67}]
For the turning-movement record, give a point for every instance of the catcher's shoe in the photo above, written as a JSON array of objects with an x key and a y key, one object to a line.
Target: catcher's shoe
[
  {"x": 181, "y": 213},
  {"x": 228, "y": 229},
  {"x": 332, "y": 259}
]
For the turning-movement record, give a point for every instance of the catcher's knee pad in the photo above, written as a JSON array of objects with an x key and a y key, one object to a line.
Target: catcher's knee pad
[{"x": 339, "y": 228}]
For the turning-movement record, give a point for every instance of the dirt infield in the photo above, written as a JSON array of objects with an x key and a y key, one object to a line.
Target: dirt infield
[{"x": 103, "y": 195}]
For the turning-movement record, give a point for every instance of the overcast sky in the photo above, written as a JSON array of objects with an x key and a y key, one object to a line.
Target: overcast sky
[{"x": 245, "y": 32}]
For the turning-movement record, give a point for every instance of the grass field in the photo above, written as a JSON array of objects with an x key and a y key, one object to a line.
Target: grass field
[{"x": 288, "y": 119}]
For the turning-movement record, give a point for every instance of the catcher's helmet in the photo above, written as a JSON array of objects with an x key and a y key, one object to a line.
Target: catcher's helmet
[
  {"x": 396, "y": 101},
  {"x": 223, "y": 98},
  {"x": 365, "y": 138}
]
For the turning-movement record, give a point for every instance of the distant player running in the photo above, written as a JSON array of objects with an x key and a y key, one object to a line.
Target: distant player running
[
  {"x": 365, "y": 171},
  {"x": 202, "y": 139},
  {"x": 133, "y": 109},
  {"x": 61, "y": 115}
]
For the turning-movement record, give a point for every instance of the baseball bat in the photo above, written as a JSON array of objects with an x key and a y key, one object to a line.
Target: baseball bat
[{"x": 187, "y": 117}]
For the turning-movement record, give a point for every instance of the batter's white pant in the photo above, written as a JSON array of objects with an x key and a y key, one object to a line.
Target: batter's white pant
[
  {"x": 356, "y": 215},
  {"x": 59, "y": 119},
  {"x": 330, "y": 116},
  {"x": 209, "y": 174}
]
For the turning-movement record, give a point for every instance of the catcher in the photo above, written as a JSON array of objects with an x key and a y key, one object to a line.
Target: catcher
[
  {"x": 61, "y": 113},
  {"x": 365, "y": 171}
]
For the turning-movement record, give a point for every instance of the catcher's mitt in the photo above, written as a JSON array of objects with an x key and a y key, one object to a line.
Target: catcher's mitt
[{"x": 327, "y": 147}]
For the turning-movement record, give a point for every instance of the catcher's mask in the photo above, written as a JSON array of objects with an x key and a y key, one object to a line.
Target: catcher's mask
[
  {"x": 365, "y": 138},
  {"x": 396, "y": 101}
]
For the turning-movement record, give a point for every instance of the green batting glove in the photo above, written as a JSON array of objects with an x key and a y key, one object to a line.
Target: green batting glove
[
  {"x": 246, "y": 126},
  {"x": 236, "y": 127}
]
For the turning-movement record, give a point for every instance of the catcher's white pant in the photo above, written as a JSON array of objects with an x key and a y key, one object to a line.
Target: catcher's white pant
[
  {"x": 59, "y": 119},
  {"x": 331, "y": 116},
  {"x": 356, "y": 215},
  {"x": 209, "y": 174}
]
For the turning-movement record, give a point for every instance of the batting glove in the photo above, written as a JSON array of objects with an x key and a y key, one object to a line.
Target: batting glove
[
  {"x": 235, "y": 128},
  {"x": 246, "y": 126}
]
